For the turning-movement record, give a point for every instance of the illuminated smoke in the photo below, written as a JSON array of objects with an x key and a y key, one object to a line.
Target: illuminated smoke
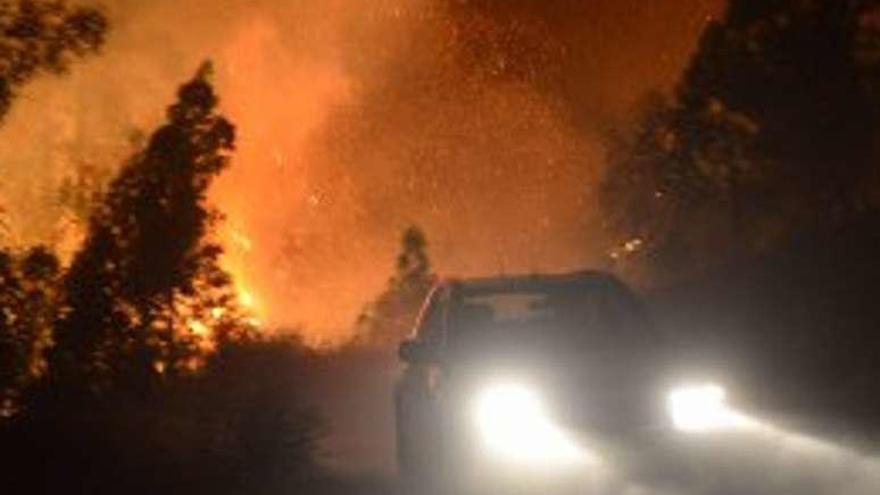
[{"x": 357, "y": 118}]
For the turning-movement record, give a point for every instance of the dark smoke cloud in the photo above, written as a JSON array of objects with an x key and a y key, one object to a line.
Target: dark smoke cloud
[{"x": 479, "y": 120}]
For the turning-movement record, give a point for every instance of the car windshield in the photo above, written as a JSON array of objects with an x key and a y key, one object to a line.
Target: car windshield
[{"x": 595, "y": 315}]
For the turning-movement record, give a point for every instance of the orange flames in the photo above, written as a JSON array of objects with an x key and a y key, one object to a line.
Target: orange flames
[
  {"x": 355, "y": 119},
  {"x": 238, "y": 247}
]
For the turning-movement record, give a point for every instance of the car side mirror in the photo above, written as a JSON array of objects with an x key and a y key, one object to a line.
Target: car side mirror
[{"x": 414, "y": 351}]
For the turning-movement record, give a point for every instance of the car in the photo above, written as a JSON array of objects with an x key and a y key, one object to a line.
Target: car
[{"x": 530, "y": 377}]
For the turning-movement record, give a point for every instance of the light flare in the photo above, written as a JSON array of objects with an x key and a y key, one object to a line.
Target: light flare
[
  {"x": 704, "y": 408},
  {"x": 515, "y": 427}
]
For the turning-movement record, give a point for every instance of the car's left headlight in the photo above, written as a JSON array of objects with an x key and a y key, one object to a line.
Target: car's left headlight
[{"x": 514, "y": 426}]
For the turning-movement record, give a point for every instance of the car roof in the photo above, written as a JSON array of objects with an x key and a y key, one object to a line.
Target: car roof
[{"x": 593, "y": 278}]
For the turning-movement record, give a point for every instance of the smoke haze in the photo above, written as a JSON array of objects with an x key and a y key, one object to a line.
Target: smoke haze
[{"x": 479, "y": 121}]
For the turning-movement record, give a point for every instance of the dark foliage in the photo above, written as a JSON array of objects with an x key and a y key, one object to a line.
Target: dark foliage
[
  {"x": 771, "y": 134},
  {"x": 43, "y": 36},
  {"x": 28, "y": 298},
  {"x": 236, "y": 426}
]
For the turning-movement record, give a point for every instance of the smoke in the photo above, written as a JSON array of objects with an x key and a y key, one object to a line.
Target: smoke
[{"x": 478, "y": 120}]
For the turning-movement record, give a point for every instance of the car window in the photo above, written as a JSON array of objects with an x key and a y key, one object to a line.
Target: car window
[
  {"x": 596, "y": 316},
  {"x": 508, "y": 307}
]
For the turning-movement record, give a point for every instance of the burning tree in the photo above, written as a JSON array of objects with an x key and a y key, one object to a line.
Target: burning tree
[
  {"x": 156, "y": 380},
  {"x": 146, "y": 285}
]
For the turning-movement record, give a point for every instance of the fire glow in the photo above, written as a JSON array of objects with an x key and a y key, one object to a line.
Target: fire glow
[{"x": 354, "y": 120}]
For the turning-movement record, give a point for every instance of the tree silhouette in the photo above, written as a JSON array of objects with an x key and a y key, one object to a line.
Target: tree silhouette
[
  {"x": 771, "y": 132},
  {"x": 146, "y": 281},
  {"x": 28, "y": 298},
  {"x": 413, "y": 275},
  {"x": 43, "y": 36},
  {"x": 391, "y": 317}
]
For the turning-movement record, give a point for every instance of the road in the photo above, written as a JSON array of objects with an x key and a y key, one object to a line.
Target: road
[{"x": 354, "y": 391}]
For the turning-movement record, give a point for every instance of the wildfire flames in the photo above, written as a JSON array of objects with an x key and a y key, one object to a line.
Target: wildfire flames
[
  {"x": 237, "y": 247},
  {"x": 356, "y": 119}
]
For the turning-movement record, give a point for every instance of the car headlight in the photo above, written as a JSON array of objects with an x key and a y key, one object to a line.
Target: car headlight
[
  {"x": 702, "y": 408},
  {"x": 514, "y": 426}
]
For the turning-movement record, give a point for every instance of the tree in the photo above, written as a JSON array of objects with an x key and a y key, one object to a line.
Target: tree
[
  {"x": 391, "y": 317},
  {"x": 146, "y": 284},
  {"x": 43, "y": 36},
  {"x": 28, "y": 298},
  {"x": 771, "y": 132}
]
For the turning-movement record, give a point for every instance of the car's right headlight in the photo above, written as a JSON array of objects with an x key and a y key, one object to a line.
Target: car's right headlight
[{"x": 702, "y": 408}]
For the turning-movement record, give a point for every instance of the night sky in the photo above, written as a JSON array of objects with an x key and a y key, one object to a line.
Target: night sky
[{"x": 480, "y": 121}]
